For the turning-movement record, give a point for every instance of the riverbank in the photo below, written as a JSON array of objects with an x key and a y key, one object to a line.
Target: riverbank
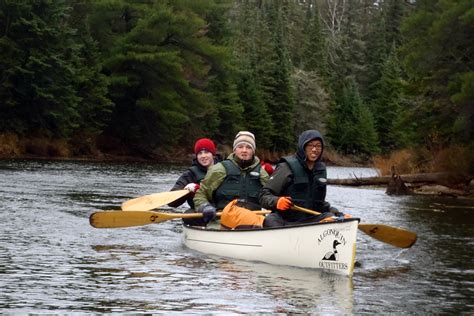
[
  {"x": 454, "y": 159},
  {"x": 13, "y": 147}
]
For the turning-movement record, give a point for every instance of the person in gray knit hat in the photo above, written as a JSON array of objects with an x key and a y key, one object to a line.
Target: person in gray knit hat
[
  {"x": 240, "y": 176},
  {"x": 244, "y": 137}
]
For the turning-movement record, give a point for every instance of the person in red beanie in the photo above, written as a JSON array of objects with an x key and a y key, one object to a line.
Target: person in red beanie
[{"x": 205, "y": 156}]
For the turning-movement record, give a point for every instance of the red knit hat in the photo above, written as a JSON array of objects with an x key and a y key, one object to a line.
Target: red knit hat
[{"x": 205, "y": 144}]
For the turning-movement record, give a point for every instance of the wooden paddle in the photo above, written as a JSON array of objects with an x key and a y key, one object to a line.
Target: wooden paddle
[
  {"x": 394, "y": 236},
  {"x": 118, "y": 219},
  {"x": 152, "y": 201}
]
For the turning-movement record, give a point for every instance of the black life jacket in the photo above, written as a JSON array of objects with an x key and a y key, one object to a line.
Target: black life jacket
[
  {"x": 199, "y": 173},
  {"x": 238, "y": 184},
  {"x": 308, "y": 189}
]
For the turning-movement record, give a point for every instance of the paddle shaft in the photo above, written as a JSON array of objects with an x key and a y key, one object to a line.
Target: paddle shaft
[
  {"x": 394, "y": 236},
  {"x": 121, "y": 219}
]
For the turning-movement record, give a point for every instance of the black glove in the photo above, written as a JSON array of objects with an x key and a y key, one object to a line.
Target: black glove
[
  {"x": 208, "y": 212},
  {"x": 336, "y": 213}
]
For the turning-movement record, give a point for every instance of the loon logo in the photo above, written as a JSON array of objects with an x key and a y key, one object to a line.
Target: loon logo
[
  {"x": 332, "y": 255},
  {"x": 254, "y": 173},
  {"x": 323, "y": 180}
]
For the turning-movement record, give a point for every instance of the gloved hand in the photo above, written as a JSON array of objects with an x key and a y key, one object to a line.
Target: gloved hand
[
  {"x": 208, "y": 212},
  {"x": 338, "y": 214},
  {"x": 335, "y": 211},
  {"x": 284, "y": 203},
  {"x": 192, "y": 187}
]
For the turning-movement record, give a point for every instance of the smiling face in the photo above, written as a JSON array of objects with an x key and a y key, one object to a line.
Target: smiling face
[
  {"x": 205, "y": 158},
  {"x": 243, "y": 151},
  {"x": 313, "y": 150}
]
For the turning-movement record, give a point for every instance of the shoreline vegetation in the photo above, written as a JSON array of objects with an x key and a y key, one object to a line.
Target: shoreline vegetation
[{"x": 447, "y": 171}]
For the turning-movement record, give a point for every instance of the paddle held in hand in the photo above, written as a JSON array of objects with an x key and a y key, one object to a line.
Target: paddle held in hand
[
  {"x": 394, "y": 236},
  {"x": 152, "y": 201}
]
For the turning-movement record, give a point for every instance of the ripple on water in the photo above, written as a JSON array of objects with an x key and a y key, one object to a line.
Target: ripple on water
[{"x": 52, "y": 261}]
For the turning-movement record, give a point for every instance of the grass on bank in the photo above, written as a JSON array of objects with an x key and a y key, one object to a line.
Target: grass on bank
[{"x": 455, "y": 159}]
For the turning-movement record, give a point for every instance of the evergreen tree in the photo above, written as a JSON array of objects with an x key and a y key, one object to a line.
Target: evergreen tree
[
  {"x": 159, "y": 79},
  {"x": 376, "y": 55},
  {"x": 276, "y": 83},
  {"x": 252, "y": 47},
  {"x": 315, "y": 58},
  {"x": 437, "y": 55},
  {"x": 388, "y": 98},
  {"x": 351, "y": 128},
  {"x": 43, "y": 74},
  {"x": 256, "y": 116}
]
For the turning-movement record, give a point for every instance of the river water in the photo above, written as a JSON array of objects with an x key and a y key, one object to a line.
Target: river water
[{"x": 53, "y": 261}]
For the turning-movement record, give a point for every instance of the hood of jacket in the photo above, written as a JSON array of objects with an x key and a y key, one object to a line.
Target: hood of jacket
[{"x": 305, "y": 138}]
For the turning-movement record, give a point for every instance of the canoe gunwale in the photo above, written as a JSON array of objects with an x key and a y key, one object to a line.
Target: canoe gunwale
[{"x": 203, "y": 228}]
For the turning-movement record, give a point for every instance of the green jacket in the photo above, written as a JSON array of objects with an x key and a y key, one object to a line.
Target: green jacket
[{"x": 215, "y": 177}]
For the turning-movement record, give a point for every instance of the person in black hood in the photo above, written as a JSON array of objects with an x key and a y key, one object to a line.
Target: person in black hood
[
  {"x": 206, "y": 156},
  {"x": 299, "y": 179}
]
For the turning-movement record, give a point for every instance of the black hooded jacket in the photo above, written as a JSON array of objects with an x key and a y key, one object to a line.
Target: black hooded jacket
[
  {"x": 193, "y": 174},
  {"x": 293, "y": 178}
]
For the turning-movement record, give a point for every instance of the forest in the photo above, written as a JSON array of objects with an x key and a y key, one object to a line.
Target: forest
[{"x": 146, "y": 78}]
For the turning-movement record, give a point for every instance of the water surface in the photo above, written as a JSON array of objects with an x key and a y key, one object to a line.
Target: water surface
[{"x": 53, "y": 261}]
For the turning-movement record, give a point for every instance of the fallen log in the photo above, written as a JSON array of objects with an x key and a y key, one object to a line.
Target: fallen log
[
  {"x": 438, "y": 183},
  {"x": 436, "y": 177}
]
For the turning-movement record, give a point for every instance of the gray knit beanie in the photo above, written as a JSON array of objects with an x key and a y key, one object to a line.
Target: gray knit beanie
[{"x": 244, "y": 137}]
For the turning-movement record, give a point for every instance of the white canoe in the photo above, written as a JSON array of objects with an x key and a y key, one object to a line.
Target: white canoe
[{"x": 327, "y": 246}]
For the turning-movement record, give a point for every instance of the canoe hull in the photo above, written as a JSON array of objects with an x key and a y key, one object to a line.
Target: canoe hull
[{"x": 328, "y": 246}]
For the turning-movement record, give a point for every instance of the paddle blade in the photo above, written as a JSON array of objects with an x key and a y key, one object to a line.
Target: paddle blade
[
  {"x": 117, "y": 219},
  {"x": 152, "y": 201},
  {"x": 394, "y": 236}
]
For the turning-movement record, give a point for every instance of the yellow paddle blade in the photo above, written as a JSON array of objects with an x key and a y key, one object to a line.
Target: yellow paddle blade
[
  {"x": 152, "y": 201},
  {"x": 394, "y": 236},
  {"x": 117, "y": 219}
]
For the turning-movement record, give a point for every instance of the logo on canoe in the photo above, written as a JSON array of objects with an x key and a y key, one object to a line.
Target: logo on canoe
[
  {"x": 331, "y": 258},
  {"x": 332, "y": 255}
]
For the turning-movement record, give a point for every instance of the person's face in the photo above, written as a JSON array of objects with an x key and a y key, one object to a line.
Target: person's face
[
  {"x": 205, "y": 158},
  {"x": 243, "y": 151},
  {"x": 313, "y": 150}
]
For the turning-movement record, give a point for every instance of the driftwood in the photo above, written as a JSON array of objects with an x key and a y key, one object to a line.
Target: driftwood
[{"x": 396, "y": 186}]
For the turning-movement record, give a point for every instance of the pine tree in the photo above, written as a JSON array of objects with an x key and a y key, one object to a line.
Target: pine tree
[
  {"x": 276, "y": 82},
  {"x": 388, "y": 97},
  {"x": 351, "y": 128},
  {"x": 437, "y": 56},
  {"x": 161, "y": 79},
  {"x": 41, "y": 69},
  {"x": 315, "y": 58}
]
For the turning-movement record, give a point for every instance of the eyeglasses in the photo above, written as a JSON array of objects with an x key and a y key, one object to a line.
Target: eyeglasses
[{"x": 314, "y": 145}]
